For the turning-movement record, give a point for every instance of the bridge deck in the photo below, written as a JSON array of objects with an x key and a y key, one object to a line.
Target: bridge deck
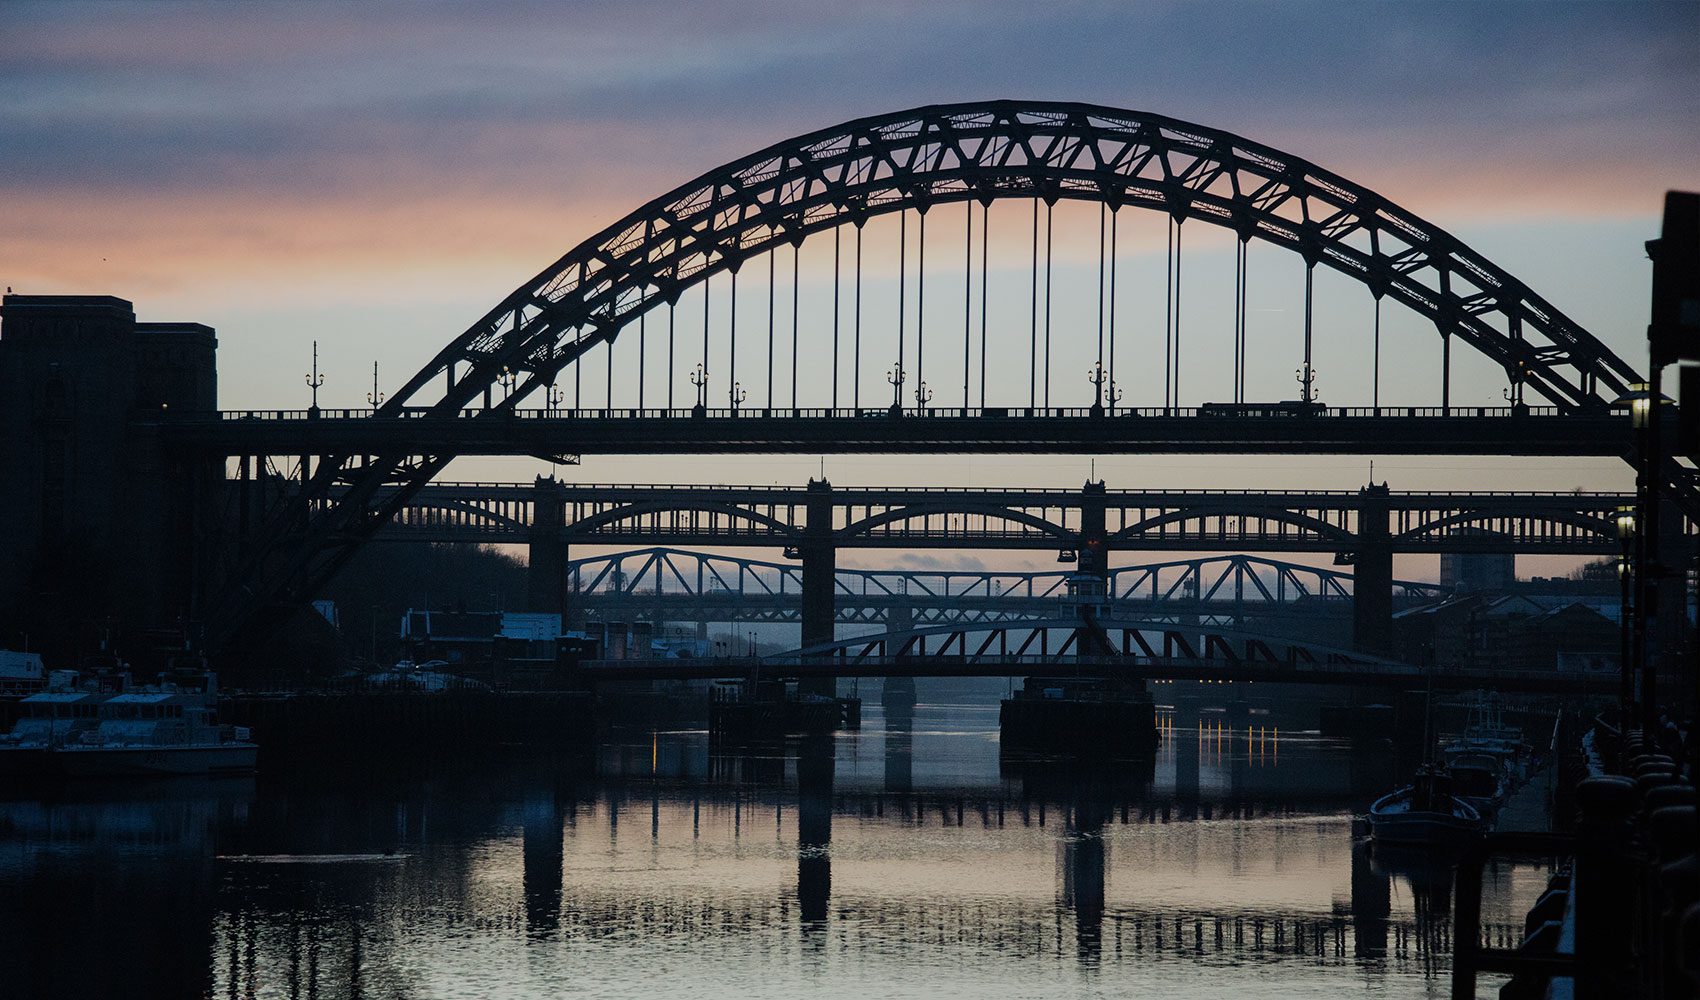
[
  {"x": 1344, "y": 430},
  {"x": 1134, "y": 667}
]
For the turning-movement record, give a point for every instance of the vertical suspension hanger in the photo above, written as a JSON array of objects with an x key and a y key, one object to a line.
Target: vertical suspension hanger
[
  {"x": 1033, "y": 349},
  {"x": 1098, "y": 368},
  {"x": 837, "y": 256},
  {"x": 1307, "y": 378},
  {"x": 1375, "y": 364},
  {"x": 985, "y": 244},
  {"x": 1240, "y": 315},
  {"x": 732, "y": 385},
  {"x": 770, "y": 282},
  {"x": 1179, "y": 258},
  {"x": 1049, "y": 205},
  {"x": 1245, "y": 315},
  {"x": 967, "y": 297},
  {"x": 1115, "y": 216},
  {"x": 643, "y": 354},
  {"x": 796, "y": 275},
  {"x": 902, "y": 305},
  {"x": 707, "y": 282},
  {"x": 1169, "y": 318},
  {"x": 921, "y": 312},
  {"x": 856, "y": 363},
  {"x": 672, "y": 372}
]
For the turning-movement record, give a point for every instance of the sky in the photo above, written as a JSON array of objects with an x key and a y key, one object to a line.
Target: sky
[{"x": 376, "y": 176}]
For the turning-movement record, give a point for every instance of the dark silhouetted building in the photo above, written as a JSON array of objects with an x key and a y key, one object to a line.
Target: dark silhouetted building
[{"x": 97, "y": 516}]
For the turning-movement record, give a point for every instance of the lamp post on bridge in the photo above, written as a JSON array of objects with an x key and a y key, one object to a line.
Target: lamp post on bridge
[
  {"x": 737, "y": 395},
  {"x": 314, "y": 381},
  {"x": 699, "y": 378},
  {"x": 375, "y": 397},
  {"x": 552, "y": 399},
  {"x": 1100, "y": 380},
  {"x": 509, "y": 378},
  {"x": 895, "y": 377},
  {"x": 1305, "y": 374},
  {"x": 923, "y": 395}
]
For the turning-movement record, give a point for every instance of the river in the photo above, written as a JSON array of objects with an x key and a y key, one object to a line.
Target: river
[{"x": 905, "y": 860}]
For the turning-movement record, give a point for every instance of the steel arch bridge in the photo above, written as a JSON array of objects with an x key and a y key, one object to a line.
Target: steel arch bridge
[
  {"x": 687, "y": 585},
  {"x": 913, "y": 160},
  {"x": 915, "y": 518}
]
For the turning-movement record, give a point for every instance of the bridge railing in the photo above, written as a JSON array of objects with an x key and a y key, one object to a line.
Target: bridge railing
[
  {"x": 885, "y": 413},
  {"x": 846, "y": 494}
]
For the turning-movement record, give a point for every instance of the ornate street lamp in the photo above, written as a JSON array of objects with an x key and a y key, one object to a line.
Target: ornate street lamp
[
  {"x": 699, "y": 378},
  {"x": 314, "y": 380},
  {"x": 375, "y": 397},
  {"x": 1305, "y": 375}
]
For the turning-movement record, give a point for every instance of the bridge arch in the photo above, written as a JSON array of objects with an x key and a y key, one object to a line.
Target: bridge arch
[
  {"x": 579, "y": 529},
  {"x": 1480, "y": 520},
  {"x": 934, "y": 155},
  {"x": 416, "y": 513},
  {"x": 865, "y": 526},
  {"x": 1305, "y": 522}
]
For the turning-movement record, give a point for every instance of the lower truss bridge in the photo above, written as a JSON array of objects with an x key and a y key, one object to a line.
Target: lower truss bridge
[
  {"x": 677, "y": 585},
  {"x": 1076, "y": 646},
  {"x": 1360, "y": 528}
]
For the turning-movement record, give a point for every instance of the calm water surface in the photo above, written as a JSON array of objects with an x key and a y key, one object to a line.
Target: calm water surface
[{"x": 903, "y": 861}]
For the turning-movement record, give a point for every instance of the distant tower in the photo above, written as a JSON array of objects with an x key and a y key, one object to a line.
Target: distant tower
[{"x": 1478, "y": 572}]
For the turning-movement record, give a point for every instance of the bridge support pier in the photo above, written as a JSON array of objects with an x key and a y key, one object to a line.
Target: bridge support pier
[
  {"x": 546, "y": 573},
  {"x": 1372, "y": 576},
  {"x": 1092, "y": 571},
  {"x": 820, "y": 569}
]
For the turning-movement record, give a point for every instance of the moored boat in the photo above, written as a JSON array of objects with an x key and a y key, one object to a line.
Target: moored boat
[
  {"x": 158, "y": 730},
  {"x": 48, "y": 719},
  {"x": 1488, "y": 760},
  {"x": 1425, "y": 813},
  {"x": 166, "y": 730}
]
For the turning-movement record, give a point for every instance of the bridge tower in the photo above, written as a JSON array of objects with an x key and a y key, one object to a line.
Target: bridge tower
[
  {"x": 101, "y": 520},
  {"x": 1372, "y": 574},
  {"x": 1092, "y": 556},
  {"x": 546, "y": 555},
  {"x": 820, "y": 567}
]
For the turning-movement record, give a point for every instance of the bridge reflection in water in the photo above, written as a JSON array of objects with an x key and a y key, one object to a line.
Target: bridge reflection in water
[{"x": 906, "y": 856}]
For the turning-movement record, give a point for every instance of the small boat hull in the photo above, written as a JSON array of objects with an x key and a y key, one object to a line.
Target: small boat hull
[
  {"x": 90, "y": 761},
  {"x": 1414, "y": 829},
  {"x": 1396, "y": 819}
]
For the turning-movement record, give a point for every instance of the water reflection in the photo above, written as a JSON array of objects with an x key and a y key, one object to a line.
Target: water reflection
[{"x": 911, "y": 858}]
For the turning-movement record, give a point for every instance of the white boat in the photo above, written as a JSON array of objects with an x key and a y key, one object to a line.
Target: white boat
[
  {"x": 164, "y": 730},
  {"x": 1424, "y": 813},
  {"x": 49, "y": 719}
]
